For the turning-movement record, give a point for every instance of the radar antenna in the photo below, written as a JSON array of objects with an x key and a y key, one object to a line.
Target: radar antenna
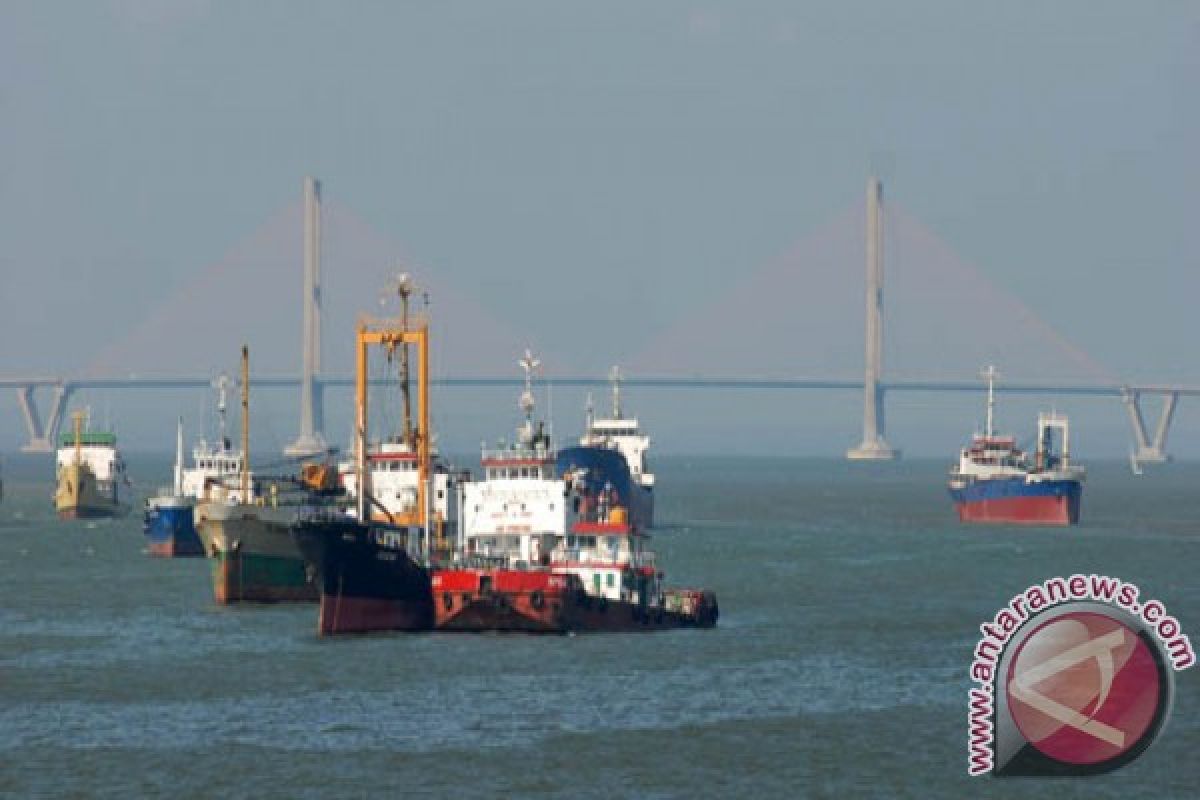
[
  {"x": 402, "y": 285},
  {"x": 222, "y": 384},
  {"x": 527, "y": 401},
  {"x": 990, "y": 375},
  {"x": 614, "y": 375}
]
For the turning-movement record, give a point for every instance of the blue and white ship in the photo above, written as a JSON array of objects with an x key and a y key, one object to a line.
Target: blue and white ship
[
  {"x": 168, "y": 523},
  {"x": 613, "y": 451},
  {"x": 995, "y": 481},
  {"x": 169, "y": 518}
]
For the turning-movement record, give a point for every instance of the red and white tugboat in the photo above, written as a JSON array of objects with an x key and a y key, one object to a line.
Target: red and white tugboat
[{"x": 544, "y": 552}]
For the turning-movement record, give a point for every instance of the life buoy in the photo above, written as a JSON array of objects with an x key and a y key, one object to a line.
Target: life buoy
[{"x": 537, "y": 600}]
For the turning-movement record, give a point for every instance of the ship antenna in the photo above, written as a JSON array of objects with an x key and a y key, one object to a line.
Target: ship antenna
[
  {"x": 179, "y": 458},
  {"x": 245, "y": 424},
  {"x": 78, "y": 418},
  {"x": 222, "y": 386},
  {"x": 590, "y": 412},
  {"x": 615, "y": 376},
  {"x": 527, "y": 401},
  {"x": 404, "y": 288},
  {"x": 990, "y": 374}
]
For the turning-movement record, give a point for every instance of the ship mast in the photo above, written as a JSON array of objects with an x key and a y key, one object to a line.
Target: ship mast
[
  {"x": 404, "y": 288},
  {"x": 389, "y": 334},
  {"x": 179, "y": 458},
  {"x": 78, "y": 418},
  {"x": 615, "y": 376},
  {"x": 245, "y": 424},
  {"x": 990, "y": 374},
  {"x": 527, "y": 401},
  {"x": 222, "y": 385}
]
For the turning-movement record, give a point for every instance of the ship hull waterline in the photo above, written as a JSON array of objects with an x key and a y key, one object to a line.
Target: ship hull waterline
[
  {"x": 1051, "y": 503},
  {"x": 549, "y": 603},
  {"x": 253, "y": 557}
]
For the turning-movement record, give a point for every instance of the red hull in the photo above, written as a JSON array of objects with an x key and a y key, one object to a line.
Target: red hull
[
  {"x": 1041, "y": 510},
  {"x": 172, "y": 550},
  {"x": 365, "y": 614},
  {"x": 547, "y": 602}
]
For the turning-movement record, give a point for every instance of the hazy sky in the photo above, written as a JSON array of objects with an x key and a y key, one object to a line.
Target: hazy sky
[{"x": 640, "y": 158}]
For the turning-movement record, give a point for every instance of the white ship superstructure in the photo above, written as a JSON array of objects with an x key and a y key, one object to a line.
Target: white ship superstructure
[
  {"x": 517, "y": 513},
  {"x": 216, "y": 469},
  {"x": 623, "y": 434},
  {"x": 394, "y": 479}
]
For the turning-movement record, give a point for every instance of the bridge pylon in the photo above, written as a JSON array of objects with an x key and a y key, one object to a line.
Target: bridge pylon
[
  {"x": 311, "y": 440},
  {"x": 873, "y": 446},
  {"x": 42, "y": 437},
  {"x": 1147, "y": 450}
]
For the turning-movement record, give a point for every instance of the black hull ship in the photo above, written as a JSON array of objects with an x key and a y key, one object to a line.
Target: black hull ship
[{"x": 367, "y": 579}]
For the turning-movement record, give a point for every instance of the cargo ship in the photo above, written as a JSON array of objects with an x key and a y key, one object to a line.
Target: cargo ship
[
  {"x": 169, "y": 516},
  {"x": 997, "y": 482},
  {"x": 91, "y": 475},
  {"x": 544, "y": 551},
  {"x": 621, "y": 435},
  {"x": 168, "y": 521},
  {"x": 373, "y": 565},
  {"x": 245, "y": 527}
]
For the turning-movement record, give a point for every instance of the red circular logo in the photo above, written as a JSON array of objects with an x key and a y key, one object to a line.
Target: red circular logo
[{"x": 1085, "y": 688}]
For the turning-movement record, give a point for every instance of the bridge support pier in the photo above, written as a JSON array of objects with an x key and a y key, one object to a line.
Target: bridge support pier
[
  {"x": 873, "y": 447},
  {"x": 42, "y": 438},
  {"x": 1146, "y": 450}
]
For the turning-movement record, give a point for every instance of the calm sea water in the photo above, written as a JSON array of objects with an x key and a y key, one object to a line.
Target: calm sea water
[{"x": 850, "y": 600}]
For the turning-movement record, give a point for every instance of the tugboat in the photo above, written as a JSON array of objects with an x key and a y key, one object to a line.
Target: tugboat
[
  {"x": 91, "y": 474},
  {"x": 374, "y": 575},
  {"x": 169, "y": 517},
  {"x": 247, "y": 534},
  {"x": 617, "y": 434},
  {"x": 997, "y": 482},
  {"x": 545, "y": 552}
]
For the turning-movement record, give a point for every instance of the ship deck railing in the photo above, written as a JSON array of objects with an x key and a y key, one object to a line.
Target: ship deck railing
[
  {"x": 518, "y": 454},
  {"x": 575, "y": 555}
]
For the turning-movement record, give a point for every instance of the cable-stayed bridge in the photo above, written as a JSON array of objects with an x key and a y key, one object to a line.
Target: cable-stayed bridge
[{"x": 670, "y": 360}]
